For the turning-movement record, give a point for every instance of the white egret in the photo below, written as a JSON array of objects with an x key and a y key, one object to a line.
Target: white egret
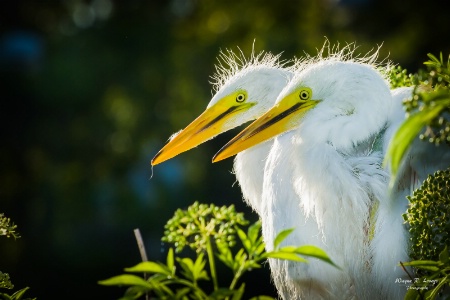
[
  {"x": 245, "y": 89},
  {"x": 325, "y": 178}
]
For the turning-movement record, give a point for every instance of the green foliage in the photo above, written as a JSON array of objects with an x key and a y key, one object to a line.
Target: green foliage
[
  {"x": 398, "y": 77},
  {"x": 19, "y": 295},
  {"x": 7, "y": 228},
  {"x": 428, "y": 217},
  {"x": 436, "y": 278},
  {"x": 195, "y": 226},
  {"x": 199, "y": 227},
  {"x": 429, "y": 108},
  {"x": 5, "y": 281}
]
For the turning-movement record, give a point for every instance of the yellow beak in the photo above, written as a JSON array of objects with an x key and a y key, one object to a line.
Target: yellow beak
[
  {"x": 282, "y": 117},
  {"x": 210, "y": 123}
]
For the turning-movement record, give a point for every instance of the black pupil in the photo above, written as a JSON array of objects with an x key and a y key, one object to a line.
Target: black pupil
[
  {"x": 240, "y": 97},
  {"x": 304, "y": 95}
]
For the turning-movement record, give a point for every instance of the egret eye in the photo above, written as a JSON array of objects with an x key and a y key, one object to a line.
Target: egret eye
[
  {"x": 304, "y": 94},
  {"x": 240, "y": 98}
]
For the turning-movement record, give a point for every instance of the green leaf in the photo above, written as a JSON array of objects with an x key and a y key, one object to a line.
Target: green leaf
[
  {"x": 443, "y": 256},
  {"x": 406, "y": 134},
  {"x": 198, "y": 270},
  {"x": 245, "y": 241},
  {"x": 239, "y": 259},
  {"x": 285, "y": 255},
  {"x": 188, "y": 267},
  {"x": 134, "y": 292},
  {"x": 126, "y": 279},
  {"x": 225, "y": 254},
  {"x": 436, "y": 290},
  {"x": 412, "y": 294},
  {"x": 239, "y": 293},
  {"x": 182, "y": 292},
  {"x": 419, "y": 263},
  {"x": 253, "y": 231},
  {"x": 260, "y": 248},
  {"x": 5, "y": 296},
  {"x": 262, "y": 297},
  {"x": 171, "y": 261},
  {"x": 316, "y": 252},
  {"x": 221, "y": 293},
  {"x": 281, "y": 237},
  {"x": 19, "y": 294},
  {"x": 149, "y": 267}
]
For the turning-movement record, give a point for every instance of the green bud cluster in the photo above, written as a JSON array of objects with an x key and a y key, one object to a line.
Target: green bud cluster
[
  {"x": 5, "y": 281},
  {"x": 7, "y": 228},
  {"x": 399, "y": 77},
  {"x": 433, "y": 89},
  {"x": 428, "y": 217},
  {"x": 200, "y": 222}
]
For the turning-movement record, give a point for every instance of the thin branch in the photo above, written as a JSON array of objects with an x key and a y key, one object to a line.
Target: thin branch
[{"x": 141, "y": 246}]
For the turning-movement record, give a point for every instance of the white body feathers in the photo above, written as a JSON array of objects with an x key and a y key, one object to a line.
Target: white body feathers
[{"x": 325, "y": 178}]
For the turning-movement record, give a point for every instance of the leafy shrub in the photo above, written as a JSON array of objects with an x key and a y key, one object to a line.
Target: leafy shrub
[
  {"x": 8, "y": 229},
  {"x": 211, "y": 232}
]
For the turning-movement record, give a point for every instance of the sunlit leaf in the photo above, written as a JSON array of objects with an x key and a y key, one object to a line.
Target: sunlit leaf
[
  {"x": 419, "y": 263},
  {"x": 260, "y": 248},
  {"x": 281, "y": 237},
  {"x": 126, "y": 279},
  {"x": 406, "y": 134},
  {"x": 253, "y": 232},
  {"x": 171, "y": 260},
  {"x": 245, "y": 241},
  {"x": 436, "y": 290},
  {"x": 225, "y": 254},
  {"x": 285, "y": 255},
  {"x": 149, "y": 267},
  {"x": 316, "y": 252},
  {"x": 198, "y": 271},
  {"x": 188, "y": 267},
  {"x": 262, "y": 298},
  {"x": 291, "y": 249}
]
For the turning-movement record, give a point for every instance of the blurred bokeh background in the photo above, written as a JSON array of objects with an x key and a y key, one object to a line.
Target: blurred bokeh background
[{"x": 91, "y": 90}]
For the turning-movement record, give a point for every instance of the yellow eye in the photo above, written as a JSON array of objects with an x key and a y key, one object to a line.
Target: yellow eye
[
  {"x": 305, "y": 94},
  {"x": 240, "y": 97}
]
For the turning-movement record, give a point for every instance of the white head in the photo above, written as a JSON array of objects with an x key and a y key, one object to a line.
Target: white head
[
  {"x": 335, "y": 100},
  {"x": 245, "y": 89},
  {"x": 353, "y": 100}
]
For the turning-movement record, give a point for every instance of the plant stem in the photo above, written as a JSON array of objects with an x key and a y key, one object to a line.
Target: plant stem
[{"x": 212, "y": 264}]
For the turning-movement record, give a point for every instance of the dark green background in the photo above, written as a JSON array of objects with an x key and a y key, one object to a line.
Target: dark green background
[{"x": 91, "y": 90}]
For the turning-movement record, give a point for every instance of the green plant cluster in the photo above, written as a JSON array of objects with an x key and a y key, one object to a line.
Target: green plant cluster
[
  {"x": 428, "y": 109},
  {"x": 436, "y": 278},
  {"x": 5, "y": 281},
  {"x": 196, "y": 225},
  {"x": 184, "y": 277},
  {"x": 434, "y": 91},
  {"x": 399, "y": 77},
  {"x": 7, "y": 228},
  {"x": 428, "y": 217}
]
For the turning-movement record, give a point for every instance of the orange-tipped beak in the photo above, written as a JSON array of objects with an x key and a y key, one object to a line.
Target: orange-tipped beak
[
  {"x": 210, "y": 123},
  {"x": 282, "y": 117}
]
